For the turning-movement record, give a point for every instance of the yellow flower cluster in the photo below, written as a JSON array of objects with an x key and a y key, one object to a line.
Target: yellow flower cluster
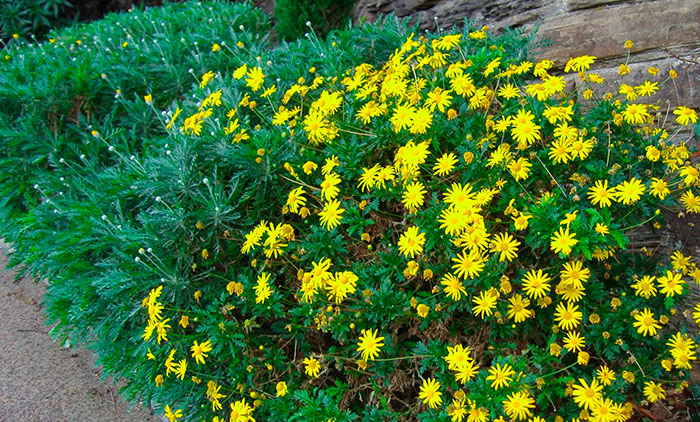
[{"x": 505, "y": 191}]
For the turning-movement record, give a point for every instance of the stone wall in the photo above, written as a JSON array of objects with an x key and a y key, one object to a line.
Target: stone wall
[{"x": 666, "y": 33}]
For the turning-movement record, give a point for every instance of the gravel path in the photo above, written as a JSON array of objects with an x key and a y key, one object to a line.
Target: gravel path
[{"x": 41, "y": 381}]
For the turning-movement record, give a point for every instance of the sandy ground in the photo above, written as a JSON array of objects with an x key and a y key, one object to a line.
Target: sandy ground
[{"x": 41, "y": 381}]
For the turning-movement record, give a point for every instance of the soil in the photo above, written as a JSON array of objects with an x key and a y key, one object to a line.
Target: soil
[{"x": 42, "y": 381}]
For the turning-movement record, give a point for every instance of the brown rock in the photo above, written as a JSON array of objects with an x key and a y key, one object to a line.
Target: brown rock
[
  {"x": 572, "y": 5},
  {"x": 602, "y": 32}
]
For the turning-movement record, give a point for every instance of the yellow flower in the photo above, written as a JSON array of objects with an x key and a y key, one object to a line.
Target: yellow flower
[
  {"x": 180, "y": 368},
  {"x": 520, "y": 168},
  {"x": 241, "y": 412},
  {"x": 585, "y": 395},
  {"x": 601, "y": 229},
  {"x": 644, "y": 287},
  {"x": 506, "y": 245},
  {"x": 647, "y": 88},
  {"x": 582, "y": 358},
  {"x": 628, "y": 91},
  {"x": 508, "y": 91},
  {"x": 623, "y": 69},
  {"x": 601, "y": 195},
  {"x": 172, "y": 416},
  {"x": 312, "y": 367},
  {"x": 402, "y": 117},
  {"x": 430, "y": 393},
  {"x": 645, "y": 323},
  {"x": 605, "y": 375},
  {"x": 199, "y": 351},
  {"x": 438, "y": 98},
  {"x": 628, "y": 376},
  {"x": 579, "y": 64},
  {"x": 554, "y": 349},
  {"x": 518, "y": 405},
  {"x": 255, "y": 78},
  {"x": 309, "y": 167},
  {"x": 573, "y": 341},
  {"x": 477, "y": 35},
  {"x": 458, "y": 357},
  {"x": 454, "y": 289},
  {"x": 447, "y": 42},
  {"x": 281, "y": 389},
  {"x": 329, "y": 186},
  {"x": 500, "y": 376},
  {"x": 653, "y": 391},
  {"x": 562, "y": 241},
  {"x": 421, "y": 121},
  {"x": 635, "y": 113},
  {"x": 411, "y": 242},
  {"x": 484, "y": 304},
  {"x": 671, "y": 284},
  {"x": 691, "y": 202},
  {"x": 567, "y": 316},
  {"x": 491, "y": 67},
  {"x": 296, "y": 199},
  {"x": 659, "y": 188},
  {"x": 422, "y": 310},
  {"x": 184, "y": 321},
  {"x": 413, "y": 196},
  {"x": 369, "y": 344},
  {"x": 536, "y": 284},
  {"x": 331, "y": 215},
  {"x": 526, "y": 133},
  {"x": 262, "y": 288},
  {"x": 240, "y": 72},
  {"x": 468, "y": 264},
  {"x": 206, "y": 78},
  {"x": 521, "y": 221},
  {"x": 685, "y": 115},
  {"x": 445, "y": 164},
  {"x": 268, "y": 91}
]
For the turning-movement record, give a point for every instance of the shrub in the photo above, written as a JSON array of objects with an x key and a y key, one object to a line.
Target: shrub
[
  {"x": 297, "y": 17},
  {"x": 32, "y": 18},
  {"x": 422, "y": 239},
  {"x": 378, "y": 226},
  {"x": 99, "y": 75}
]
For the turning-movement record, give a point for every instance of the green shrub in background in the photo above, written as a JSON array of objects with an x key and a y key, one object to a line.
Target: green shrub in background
[
  {"x": 32, "y": 18},
  {"x": 297, "y": 17},
  {"x": 99, "y": 75},
  {"x": 375, "y": 226},
  {"x": 80, "y": 142}
]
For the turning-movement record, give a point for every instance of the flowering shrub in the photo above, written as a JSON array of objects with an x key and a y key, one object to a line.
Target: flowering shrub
[
  {"x": 383, "y": 226},
  {"x": 445, "y": 238}
]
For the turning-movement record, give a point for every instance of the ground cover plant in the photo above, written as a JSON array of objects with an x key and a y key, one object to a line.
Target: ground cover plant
[
  {"x": 32, "y": 18},
  {"x": 375, "y": 226},
  {"x": 292, "y": 16}
]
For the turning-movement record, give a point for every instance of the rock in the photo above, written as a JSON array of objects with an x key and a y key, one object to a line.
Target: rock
[
  {"x": 572, "y": 5},
  {"x": 602, "y": 32}
]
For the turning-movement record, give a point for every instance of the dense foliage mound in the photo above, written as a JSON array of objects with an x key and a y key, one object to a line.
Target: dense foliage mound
[{"x": 376, "y": 226}]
